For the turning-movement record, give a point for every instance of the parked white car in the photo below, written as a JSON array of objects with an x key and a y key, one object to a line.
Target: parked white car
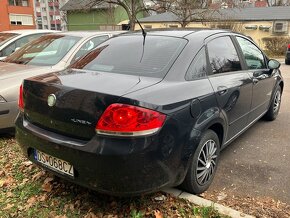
[
  {"x": 10, "y": 41},
  {"x": 47, "y": 54}
]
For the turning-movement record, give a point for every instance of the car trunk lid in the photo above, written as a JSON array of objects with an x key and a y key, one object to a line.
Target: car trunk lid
[{"x": 80, "y": 99}]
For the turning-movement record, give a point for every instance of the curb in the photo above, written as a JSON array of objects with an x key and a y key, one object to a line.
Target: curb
[{"x": 204, "y": 202}]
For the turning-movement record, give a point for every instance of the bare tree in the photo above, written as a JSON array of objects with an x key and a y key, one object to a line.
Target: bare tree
[
  {"x": 186, "y": 11},
  {"x": 132, "y": 7}
]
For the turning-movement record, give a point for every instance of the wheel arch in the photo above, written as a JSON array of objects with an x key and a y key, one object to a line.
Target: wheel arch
[
  {"x": 281, "y": 84},
  {"x": 219, "y": 130}
]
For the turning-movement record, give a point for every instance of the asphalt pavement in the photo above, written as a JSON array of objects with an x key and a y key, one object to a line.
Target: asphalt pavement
[{"x": 257, "y": 164}]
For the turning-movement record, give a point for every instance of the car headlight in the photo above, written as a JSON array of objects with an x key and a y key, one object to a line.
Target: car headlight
[{"x": 2, "y": 100}]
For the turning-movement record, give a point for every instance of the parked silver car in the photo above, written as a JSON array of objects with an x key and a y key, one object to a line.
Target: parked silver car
[
  {"x": 49, "y": 53},
  {"x": 10, "y": 41}
]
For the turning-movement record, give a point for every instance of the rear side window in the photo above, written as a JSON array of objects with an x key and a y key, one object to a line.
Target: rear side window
[
  {"x": 132, "y": 54},
  {"x": 88, "y": 46},
  {"x": 197, "y": 68},
  {"x": 253, "y": 56},
  {"x": 223, "y": 56}
]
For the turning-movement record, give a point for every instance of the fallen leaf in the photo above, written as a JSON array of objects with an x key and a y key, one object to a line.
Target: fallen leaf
[
  {"x": 43, "y": 198},
  {"x": 48, "y": 180},
  {"x": 63, "y": 216},
  {"x": 158, "y": 214},
  {"x": 90, "y": 215},
  {"x": 32, "y": 200},
  {"x": 47, "y": 187},
  {"x": 9, "y": 206},
  {"x": 38, "y": 175},
  {"x": 9, "y": 194},
  {"x": 27, "y": 163},
  {"x": 2, "y": 173}
]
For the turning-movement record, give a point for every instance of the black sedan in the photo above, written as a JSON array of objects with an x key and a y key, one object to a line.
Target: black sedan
[
  {"x": 147, "y": 111},
  {"x": 287, "y": 56}
]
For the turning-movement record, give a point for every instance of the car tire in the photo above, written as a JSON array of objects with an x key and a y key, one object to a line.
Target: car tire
[
  {"x": 274, "y": 108},
  {"x": 287, "y": 62},
  {"x": 203, "y": 164}
]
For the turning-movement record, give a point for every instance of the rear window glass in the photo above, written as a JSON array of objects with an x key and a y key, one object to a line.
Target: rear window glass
[
  {"x": 133, "y": 55},
  {"x": 4, "y": 37}
]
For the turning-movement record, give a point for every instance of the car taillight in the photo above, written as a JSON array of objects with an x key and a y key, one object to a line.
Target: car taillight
[
  {"x": 128, "y": 120},
  {"x": 288, "y": 46},
  {"x": 20, "y": 100}
]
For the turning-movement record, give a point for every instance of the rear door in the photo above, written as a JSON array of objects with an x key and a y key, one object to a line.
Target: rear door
[
  {"x": 262, "y": 78},
  {"x": 232, "y": 85}
]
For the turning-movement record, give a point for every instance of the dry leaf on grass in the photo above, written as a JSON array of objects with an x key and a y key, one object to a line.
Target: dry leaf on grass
[
  {"x": 158, "y": 214},
  {"x": 47, "y": 186},
  {"x": 9, "y": 206},
  {"x": 7, "y": 182},
  {"x": 38, "y": 175},
  {"x": 30, "y": 202},
  {"x": 90, "y": 215}
]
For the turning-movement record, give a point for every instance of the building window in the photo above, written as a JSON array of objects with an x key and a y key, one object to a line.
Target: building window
[
  {"x": 23, "y": 3},
  {"x": 21, "y": 19},
  {"x": 280, "y": 27}
]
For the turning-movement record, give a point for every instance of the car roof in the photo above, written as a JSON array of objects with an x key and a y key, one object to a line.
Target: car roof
[
  {"x": 30, "y": 31},
  {"x": 88, "y": 33},
  {"x": 179, "y": 32}
]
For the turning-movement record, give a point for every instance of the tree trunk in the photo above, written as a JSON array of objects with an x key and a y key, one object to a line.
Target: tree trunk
[{"x": 132, "y": 23}]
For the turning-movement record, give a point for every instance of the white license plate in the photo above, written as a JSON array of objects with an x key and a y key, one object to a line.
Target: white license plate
[{"x": 54, "y": 163}]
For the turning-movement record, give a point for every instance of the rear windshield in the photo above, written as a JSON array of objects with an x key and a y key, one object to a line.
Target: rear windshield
[
  {"x": 47, "y": 50},
  {"x": 4, "y": 37},
  {"x": 133, "y": 55}
]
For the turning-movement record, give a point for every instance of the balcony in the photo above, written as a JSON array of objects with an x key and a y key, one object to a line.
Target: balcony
[
  {"x": 55, "y": 22},
  {"x": 51, "y": 4},
  {"x": 51, "y": 13}
]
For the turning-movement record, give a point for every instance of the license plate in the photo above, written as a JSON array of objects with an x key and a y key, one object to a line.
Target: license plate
[{"x": 54, "y": 163}]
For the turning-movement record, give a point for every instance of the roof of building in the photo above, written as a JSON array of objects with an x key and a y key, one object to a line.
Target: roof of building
[
  {"x": 73, "y": 5},
  {"x": 30, "y": 31},
  {"x": 245, "y": 14}
]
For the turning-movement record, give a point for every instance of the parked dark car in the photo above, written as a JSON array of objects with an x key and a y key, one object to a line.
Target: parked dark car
[
  {"x": 287, "y": 56},
  {"x": 143, "y": 112}
]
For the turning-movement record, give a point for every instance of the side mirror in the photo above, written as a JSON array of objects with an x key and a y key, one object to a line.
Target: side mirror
[{"x": 273, "y": 64}]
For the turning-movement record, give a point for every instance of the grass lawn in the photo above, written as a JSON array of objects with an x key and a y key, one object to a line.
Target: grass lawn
[{"x": 28, "y": 191}]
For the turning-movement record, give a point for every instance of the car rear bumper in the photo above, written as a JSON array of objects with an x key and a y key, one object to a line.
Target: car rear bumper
[
  {"x": 8, "y": 113},
  {"x": 287, "y": 57},
  {"x": 123, "y": 167}
]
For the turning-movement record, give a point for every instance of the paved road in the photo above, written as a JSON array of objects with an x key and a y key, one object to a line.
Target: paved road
[{"x": 258, "y": 162}]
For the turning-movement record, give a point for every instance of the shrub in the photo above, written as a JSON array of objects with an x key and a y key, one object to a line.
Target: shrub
[{"x": 276, "y": 46}]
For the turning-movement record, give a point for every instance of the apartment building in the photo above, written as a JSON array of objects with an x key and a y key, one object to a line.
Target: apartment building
[
  {"x": 48, "y": 14},
  {"x": 16, "y": 14}
]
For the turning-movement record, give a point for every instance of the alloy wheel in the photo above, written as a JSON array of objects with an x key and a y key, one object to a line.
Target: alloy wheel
[
  {"x": 277, "y": 101},
  {"x": 206, "y": 162}
]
